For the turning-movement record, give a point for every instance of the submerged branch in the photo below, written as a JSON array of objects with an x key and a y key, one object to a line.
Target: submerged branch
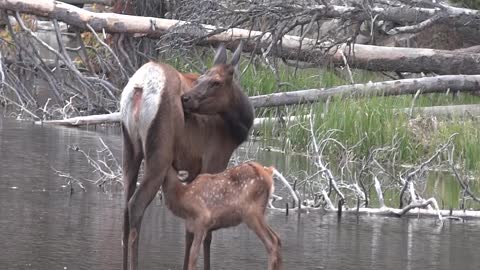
[
  {"x": 420, "y": 204},
  {"x": 104, "y": 164},
  {"x": 419, "y": 211},
  {"x": 463, "y": 183},
  {"x": 325, "y": 172}
]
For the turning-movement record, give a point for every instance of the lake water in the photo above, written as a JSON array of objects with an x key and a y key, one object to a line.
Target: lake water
[{"x": 44, "y": 227}]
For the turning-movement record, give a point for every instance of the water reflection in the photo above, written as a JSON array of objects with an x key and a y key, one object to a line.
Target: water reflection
[{"x": 45, "y": 228}]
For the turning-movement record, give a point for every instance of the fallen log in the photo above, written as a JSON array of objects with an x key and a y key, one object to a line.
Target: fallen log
[
  {"x": 114, "y": 118},
  {"x": 102, "y": 2},
  {"x": 469, "y": 111},
  {"x": 111, "y": 118},
  {"x": 439, "y": 84},
  {"x": 391, "y": 212},
  {"x": 462, "y": 111},
  {"x": 462, "y": 83},
  {"x": 375, "y": 58},
  {"x": 462, "y": 214},
  {"x": 404, "y": 14},
  {"x": 395, "y": 212}
]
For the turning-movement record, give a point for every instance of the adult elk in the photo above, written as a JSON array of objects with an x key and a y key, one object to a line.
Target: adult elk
[
  {"x": 215, "y": 201},
  {"x": 217, "y": 119}
]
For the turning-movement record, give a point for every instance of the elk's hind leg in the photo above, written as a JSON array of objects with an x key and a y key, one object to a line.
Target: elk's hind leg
[
  {"x": 277, "y": 243},
  {"x": 146, "y": 191},
  {"x": 271, "y": 241},
  {"x": 131, "y": 161},
  {"x": 158, "y": 160},
  {"x": 206, "y": 250}
]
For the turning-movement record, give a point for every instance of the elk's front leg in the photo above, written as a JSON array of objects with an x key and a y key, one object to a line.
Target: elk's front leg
[
  {"x": 188, "y": 246},
  {"x": 198, "y": 238},
  {"x": 206, "y": 249}
]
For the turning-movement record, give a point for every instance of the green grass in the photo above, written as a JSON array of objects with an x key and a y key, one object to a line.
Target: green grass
[
  {"x": 371, "y": 123},
  {"x": 474, "y": 4},
  {"x": 260, "y": 81},
  {"x": 368, "y": 122},
  {"x": 467, "y": 142}
]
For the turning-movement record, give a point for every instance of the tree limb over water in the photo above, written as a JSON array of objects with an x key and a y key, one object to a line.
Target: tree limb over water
[
  {"x": 470, "y": 111},
  {"x": 112, "y": 118}
]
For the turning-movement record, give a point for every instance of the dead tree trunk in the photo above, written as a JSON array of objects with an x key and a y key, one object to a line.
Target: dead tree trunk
[
  {"x": 368, "y": 57},
  {"x": 387, "y": 88}
]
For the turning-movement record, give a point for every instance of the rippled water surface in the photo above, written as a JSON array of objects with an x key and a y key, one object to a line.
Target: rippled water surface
[{"x": 43, "y": 227}]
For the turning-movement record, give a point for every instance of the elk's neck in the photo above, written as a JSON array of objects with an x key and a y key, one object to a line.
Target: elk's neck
[{"x": 239, "y": 119}]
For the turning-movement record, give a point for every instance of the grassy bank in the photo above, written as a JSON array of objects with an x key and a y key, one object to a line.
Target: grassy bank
[
  {"x": 371, "y": 122},
  {"x": 367, "y": 123}
]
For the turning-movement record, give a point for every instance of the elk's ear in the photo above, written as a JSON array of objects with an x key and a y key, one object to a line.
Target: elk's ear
[
  {"x": 269, "y": 170},
  {"x": 236, "y": 56},
  {"x": 230, "y": 72},
  {"x": 220, "y": 56}
]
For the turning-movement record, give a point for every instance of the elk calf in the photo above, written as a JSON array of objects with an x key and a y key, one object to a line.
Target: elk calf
[{"x": 215, "y": 201}]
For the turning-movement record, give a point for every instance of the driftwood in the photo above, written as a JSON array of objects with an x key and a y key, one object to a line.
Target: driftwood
[
  {"x": 408, "y": 211},
  {"x": 102, "y": 2},
  {"x": 462, "y": 111},
  {"x": 400, "y": 12},
  {"x": 368, "y": 57},
  {"x": 393, "y": 212},
  {"x": 85, "y": 120},
  {"x": 463, "y": 83},
  {"x": 472, "y": 110},
  {"x": 114, "y": 118}
]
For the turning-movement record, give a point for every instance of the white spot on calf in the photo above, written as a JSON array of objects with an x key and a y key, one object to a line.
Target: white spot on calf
[{"x": 151, "y": 78}]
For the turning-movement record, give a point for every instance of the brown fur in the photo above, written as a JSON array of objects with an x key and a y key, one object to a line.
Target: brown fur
[
  {"x": 197, "y": 143},
  {"x": 215, "y": 201}
]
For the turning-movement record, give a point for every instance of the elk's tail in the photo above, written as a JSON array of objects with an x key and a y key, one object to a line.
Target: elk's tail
[{"x": 287, "y": 185}]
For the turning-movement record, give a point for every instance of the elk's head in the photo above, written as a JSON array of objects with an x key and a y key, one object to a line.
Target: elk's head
[{"x": 214, "y": 91}]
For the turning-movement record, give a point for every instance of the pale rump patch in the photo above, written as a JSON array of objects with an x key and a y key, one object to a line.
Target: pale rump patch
[
  {"x": 139, "y": 108},
  {"x": 137, "y": 102}
]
